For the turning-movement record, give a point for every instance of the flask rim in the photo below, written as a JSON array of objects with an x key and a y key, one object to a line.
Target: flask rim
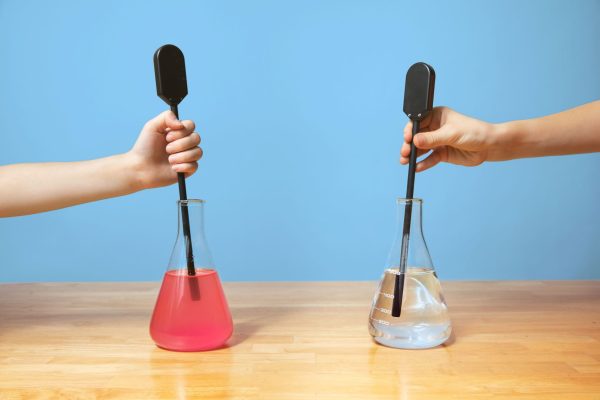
[
  {"x": 190, "y": 202},
  {"x": 415, "y": 200}
]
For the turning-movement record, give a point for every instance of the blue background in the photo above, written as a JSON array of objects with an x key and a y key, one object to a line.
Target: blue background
[{"x": 299, "y": 104}]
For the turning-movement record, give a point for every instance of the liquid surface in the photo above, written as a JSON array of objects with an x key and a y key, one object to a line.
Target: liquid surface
[
  {"x": 424, "y": 321},
  {"x": 191, "y": 312}
]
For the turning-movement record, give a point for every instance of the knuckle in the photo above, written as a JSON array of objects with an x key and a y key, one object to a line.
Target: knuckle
[
  {"x": 191, "y": 126},
  {"x": 478, "y": 160},
  {"x": 178, "y": 146},
  {"x": 443, "y": 110},
  {"x": 196, "y": 138},
  {"x": 429, "y": 139},
  {"x": 191, "y": 155},
  {"x": 453, "y": 133}
]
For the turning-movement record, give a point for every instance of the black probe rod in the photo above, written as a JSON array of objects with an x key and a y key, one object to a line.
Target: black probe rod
[
  {"x": 410, "y": 186},
  {"x": 185, "y": 216}
]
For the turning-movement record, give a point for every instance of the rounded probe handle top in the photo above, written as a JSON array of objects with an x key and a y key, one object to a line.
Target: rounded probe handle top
[
  {"x": 418, "y": 91},
  {"x": 169, "y": 71}
]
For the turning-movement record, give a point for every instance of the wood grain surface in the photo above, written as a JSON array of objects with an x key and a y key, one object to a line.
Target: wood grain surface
[{"x": 303, "y": 340}]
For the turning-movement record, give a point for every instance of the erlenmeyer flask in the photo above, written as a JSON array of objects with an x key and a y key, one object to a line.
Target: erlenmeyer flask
[
  {"x": 191, "y": 312},
  {"x": 424, "y": 320}
]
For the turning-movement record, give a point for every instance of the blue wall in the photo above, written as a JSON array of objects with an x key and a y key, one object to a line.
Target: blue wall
[{"x": 300, "y": 107}]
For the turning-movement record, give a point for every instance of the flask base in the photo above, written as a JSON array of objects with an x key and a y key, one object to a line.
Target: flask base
[
  {"x": 414, "y": 336},
  {"x": 178, "y": 343},
  {"x": 191, "y": 312}
]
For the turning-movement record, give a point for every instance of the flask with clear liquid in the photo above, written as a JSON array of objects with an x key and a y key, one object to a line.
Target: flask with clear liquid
[{"x": 423, "y": 321}]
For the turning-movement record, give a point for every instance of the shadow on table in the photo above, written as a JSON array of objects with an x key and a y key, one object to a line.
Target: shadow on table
[
  {"x": 451, "y": 340},
  {"x": 207, "y": 373},
  {"x": 248, "y": 321}
]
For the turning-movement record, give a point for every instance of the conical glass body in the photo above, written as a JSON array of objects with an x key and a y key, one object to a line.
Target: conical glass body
[
  {"x": 423, "y": 321},
  {"x": 191, "y": 311}
]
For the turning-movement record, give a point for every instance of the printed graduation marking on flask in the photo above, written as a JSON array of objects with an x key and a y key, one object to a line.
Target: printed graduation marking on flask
[
  {"x": 380, "y": 321},
  {"x": 383, "y": 310}
]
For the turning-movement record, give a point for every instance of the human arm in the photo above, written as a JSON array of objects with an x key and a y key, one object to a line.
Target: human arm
[
  {"x": 458, "y": 139},
  {"x": 164, "y": 147}
]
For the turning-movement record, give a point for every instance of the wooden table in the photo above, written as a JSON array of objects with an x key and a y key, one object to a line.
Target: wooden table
[{"x": 517, "y": 340}]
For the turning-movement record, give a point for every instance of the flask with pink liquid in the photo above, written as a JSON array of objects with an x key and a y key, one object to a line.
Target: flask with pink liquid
[{"x": 191, "y": 311}]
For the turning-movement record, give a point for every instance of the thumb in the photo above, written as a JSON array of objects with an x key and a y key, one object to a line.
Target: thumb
[
  {"x": 440, "y": 137},
  {"x": 164, "y": 120}
]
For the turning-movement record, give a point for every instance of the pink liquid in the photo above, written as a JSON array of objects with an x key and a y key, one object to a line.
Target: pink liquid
[{"x": 191, "y": 312}]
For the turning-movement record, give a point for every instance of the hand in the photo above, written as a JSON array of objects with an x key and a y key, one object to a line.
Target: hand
[
  {"x": 165, "y": 147},
  {"x": 451, "y": 137}
]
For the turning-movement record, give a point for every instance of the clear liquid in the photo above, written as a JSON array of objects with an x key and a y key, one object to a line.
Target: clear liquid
[{"x": 424, "y": 321}]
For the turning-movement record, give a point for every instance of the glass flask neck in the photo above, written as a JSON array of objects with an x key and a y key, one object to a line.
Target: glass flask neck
[
  {"x": 412, "y": 209},
  {"x": 190, "y": 231},
  {"x": 409, "y": 224},
  {"x": 195, "y": 214}
]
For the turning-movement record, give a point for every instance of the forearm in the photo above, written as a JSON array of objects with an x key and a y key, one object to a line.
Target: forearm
[
  {"x": 38, "y": 187},
  {"x": 573, "y": 131}
]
